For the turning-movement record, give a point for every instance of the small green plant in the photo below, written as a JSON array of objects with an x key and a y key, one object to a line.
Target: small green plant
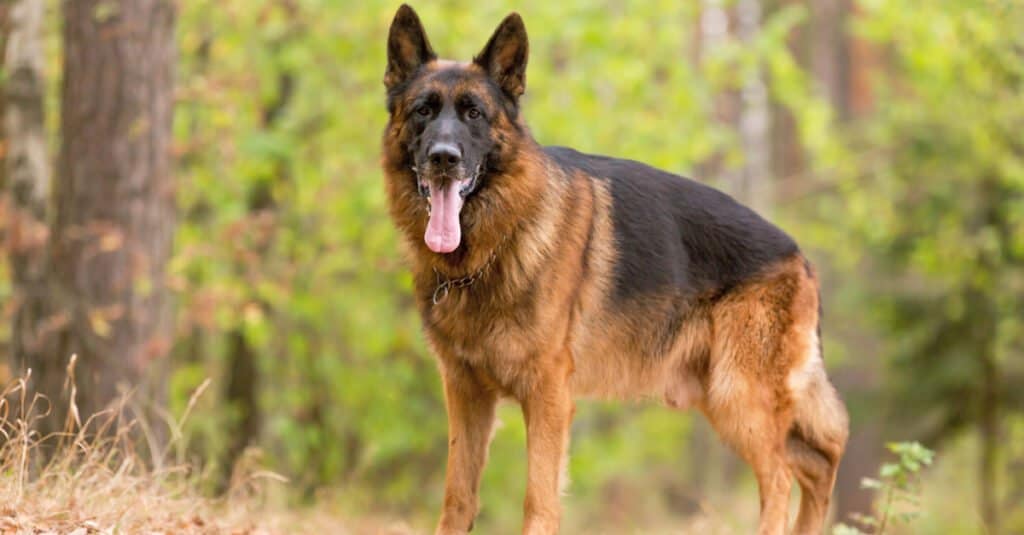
[{"x": 899, "y": 486}]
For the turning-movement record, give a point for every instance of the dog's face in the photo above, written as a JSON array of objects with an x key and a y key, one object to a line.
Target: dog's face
[{"x": 452, "y": 116}]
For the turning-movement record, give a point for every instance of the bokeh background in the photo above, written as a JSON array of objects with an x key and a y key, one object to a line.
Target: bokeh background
[{"x": 886, "y": 136}]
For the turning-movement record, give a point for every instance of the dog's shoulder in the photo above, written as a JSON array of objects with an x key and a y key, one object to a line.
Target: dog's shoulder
[{"x": 676, "y": 234}]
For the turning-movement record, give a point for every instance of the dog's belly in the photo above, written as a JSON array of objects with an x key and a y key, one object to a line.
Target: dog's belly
[
  {"x": 643, "y": 354},
  {"x": 608, "y": 372},
  {"x": 655, "y": 348}
]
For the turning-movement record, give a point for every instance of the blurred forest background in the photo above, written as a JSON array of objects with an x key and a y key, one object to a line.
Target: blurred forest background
[{"x": 191, "y": 190}]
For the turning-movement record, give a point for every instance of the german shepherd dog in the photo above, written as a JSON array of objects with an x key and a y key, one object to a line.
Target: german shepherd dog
[{"x": 543, "y": 274}]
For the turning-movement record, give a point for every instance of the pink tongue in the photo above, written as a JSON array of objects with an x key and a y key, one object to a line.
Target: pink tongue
[{"x": 443, "y": 231}]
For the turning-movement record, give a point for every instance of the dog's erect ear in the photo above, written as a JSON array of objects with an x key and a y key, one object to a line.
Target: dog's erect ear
[
  {"x": 408, "y": 47},
  {"x": 504, "y": 56}
]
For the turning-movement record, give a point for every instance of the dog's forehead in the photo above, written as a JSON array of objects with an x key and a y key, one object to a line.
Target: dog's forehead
[
  {"x": 452, "y": 78},
  {"x": 445, "y": 64}
]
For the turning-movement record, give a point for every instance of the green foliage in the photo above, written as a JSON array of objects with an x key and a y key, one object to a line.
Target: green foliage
[
  {"x": 929, "y": 215},
  {"x": 931, "y": 201},
  {"x": 899, "y": 486}
]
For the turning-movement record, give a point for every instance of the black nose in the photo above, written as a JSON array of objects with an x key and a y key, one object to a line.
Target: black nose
[{"x": 444, "y": 155}]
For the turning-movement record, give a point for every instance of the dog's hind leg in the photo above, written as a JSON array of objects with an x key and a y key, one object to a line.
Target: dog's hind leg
[
  {"x": 747, "y": 423},
  {"x": 768, "y": 396},
  {"x": 814, "y": 465},
  {"x": 758, "y": 339},
  {"x": 749, "y": 415},
  {"x": 816, "y": 440}
]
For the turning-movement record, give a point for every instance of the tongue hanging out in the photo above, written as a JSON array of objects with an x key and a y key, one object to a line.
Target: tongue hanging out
[{"x": 444, "y": 233}]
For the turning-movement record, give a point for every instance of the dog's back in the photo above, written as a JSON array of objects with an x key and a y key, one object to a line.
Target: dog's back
[{"x": 675, "y": 234}]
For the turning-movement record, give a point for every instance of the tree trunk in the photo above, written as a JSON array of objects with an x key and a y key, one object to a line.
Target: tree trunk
[
  {"x": 864, "y": 451},
  {"x": 829, "y": 52},
  {"x": 989, "y": 424},
  {"x": 115, "y": 206},
  {"x": 27, "y": 179},
  {"x": 864, "y": 61},
  {"x": 754, "y": 187},
  {"x": 242, "y": 393},
  {"x": 4, "y": 30},
  {"x": 713, "y": 33},
  {"x": 987, "y": 312}
]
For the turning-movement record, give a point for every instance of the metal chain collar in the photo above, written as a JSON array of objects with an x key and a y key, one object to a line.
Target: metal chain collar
[{"x": 445, "y": 285}]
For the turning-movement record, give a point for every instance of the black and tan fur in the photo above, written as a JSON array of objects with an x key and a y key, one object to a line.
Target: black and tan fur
[{"x": 599, "y": 277}]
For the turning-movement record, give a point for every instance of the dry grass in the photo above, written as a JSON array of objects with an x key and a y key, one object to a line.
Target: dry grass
[
  {"x": 104, "y": 475},
  {"x": 96, "y": 480}
]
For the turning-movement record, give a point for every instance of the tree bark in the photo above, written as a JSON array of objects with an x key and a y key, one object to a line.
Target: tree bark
[
  {"x": 829, "y": 51},
  {"x": 114, "y": 202},
  {"x": 865, "y": 450},
  {"x": 713, "y": 32},
  {"x": 755, "y": 186},
  {"x": 864, "y": 61},
  {"x": 4, "y": 30},
  {"x": 242, "y": 395},
  {"x": 990, "y": 437},
  {"x": 988, "y": 314},
  {"x": 242, "y": 392},
  {"x": 27, "y": 179}
]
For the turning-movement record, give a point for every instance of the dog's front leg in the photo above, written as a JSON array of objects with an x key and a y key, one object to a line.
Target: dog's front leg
[
  {"x": 548, "y": 409},
  {"x": 470, "y": 419}
]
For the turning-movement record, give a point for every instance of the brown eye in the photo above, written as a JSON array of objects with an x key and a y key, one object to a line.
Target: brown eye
[
  {"x": 424, "y": 110},
  {"x": 473, "y": 113}
]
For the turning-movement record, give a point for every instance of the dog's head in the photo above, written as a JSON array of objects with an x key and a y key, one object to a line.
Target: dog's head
[{"x": 452, "y": 119}]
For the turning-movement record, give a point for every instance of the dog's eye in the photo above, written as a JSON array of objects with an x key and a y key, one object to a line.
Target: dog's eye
[
  {"x": 424, "y": 110},
  {"x": 473, "y": 113}
]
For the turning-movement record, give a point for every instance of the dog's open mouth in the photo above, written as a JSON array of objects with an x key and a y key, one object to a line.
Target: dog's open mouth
[
  {"x": 444, "y": 230},
  {"x": 466, "y": 187}
]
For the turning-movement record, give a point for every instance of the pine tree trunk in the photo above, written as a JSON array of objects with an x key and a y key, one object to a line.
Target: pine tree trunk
[
  {"x": 755, "y": 185},
  {"x": 989, "y": 420},
  {"x": 26, "y": 173},
  {"x": 864, "y": 451},
  {"x": 114, "y": 202},
  {"x": 242, "y": 392},
  {"x": 987, "y": 313},
  {"x": 714, "y": 32}
]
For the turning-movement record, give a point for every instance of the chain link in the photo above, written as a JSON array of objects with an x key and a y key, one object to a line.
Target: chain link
[{"x": 445, "y": 285}]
